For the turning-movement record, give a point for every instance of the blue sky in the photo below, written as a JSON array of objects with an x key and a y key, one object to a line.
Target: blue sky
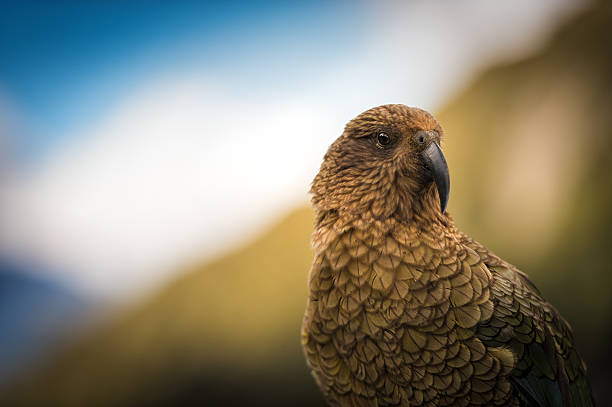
[
  {"x": 63, "y": 64},
  {"x": 156, "y": 134}
]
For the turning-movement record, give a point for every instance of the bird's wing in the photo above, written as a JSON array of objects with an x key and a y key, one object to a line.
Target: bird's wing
[{"x": 548, "y": 369}]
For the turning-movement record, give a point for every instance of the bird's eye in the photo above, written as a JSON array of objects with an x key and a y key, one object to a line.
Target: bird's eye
[
  {"x": 382, "y": 139},
  {"x": 421, "y": 139}
]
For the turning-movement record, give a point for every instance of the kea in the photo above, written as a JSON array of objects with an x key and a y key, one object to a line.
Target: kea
[{"x": 406, "y": 310}]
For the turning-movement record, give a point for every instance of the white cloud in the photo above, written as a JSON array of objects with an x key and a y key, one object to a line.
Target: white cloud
[
  {"x": 176, "y": 173},
  {"x": 186, "y": 166}
]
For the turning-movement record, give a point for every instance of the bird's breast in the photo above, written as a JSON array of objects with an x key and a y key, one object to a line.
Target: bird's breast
[{"x": 394, "y": 302}]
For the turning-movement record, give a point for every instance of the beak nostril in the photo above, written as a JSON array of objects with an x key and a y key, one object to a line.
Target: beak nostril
[{"x": 421, "y": 137}]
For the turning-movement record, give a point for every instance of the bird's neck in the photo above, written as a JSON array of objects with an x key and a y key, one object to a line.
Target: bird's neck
[
  {"x": 415, "y": 211},
  {"x": 422, "y": 210},
  {"x": 435, "y": 228}
]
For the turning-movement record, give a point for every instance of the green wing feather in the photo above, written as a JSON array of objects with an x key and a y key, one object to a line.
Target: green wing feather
[{"x": 549, "y": 370}]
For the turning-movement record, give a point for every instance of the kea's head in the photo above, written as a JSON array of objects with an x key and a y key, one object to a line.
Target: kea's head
[{"x": 387, "y": 163}]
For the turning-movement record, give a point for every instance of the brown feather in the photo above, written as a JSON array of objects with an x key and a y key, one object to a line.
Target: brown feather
[{"x": 404, "y": 309}]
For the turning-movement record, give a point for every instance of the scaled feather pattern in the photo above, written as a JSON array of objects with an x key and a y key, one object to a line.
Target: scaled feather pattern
[{"x": 406, "y": 310}]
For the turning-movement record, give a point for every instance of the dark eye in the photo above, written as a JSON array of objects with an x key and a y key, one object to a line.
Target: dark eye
[
  {"x": 421, "y": 139},
  {"x": 383, "y": 139}
]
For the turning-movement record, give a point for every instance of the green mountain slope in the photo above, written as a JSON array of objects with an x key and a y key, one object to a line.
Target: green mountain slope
[
  {"x": 227, "y": 332},
  {"x": 529, "y": 146}
]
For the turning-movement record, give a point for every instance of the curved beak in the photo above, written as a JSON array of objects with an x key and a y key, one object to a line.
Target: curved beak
[{"x": 436, "y": 163}]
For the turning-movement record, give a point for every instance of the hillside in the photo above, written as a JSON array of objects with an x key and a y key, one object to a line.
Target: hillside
[
  {"x": 529, "y": 146},
  {"x": 227, "y": 331},
  {"x": 544, "y": 200}
]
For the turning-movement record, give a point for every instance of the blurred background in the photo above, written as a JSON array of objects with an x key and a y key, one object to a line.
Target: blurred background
[{"x": 155, "y": 161}]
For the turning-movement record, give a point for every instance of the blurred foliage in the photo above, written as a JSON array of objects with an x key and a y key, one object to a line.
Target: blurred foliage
[{"x": 529, "y": 145}]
